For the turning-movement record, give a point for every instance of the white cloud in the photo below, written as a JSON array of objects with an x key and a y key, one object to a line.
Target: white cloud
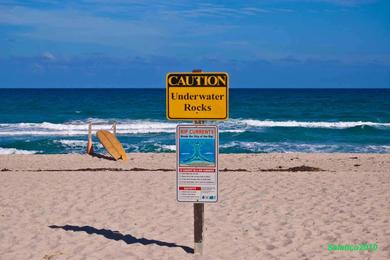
[{"x": 48, "y": 56}]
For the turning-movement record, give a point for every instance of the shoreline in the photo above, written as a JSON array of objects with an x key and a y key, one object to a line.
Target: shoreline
[{"x": 273, "y": 162}]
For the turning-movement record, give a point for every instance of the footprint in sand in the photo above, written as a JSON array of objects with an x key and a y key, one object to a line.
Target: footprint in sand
[
  {"x": 270, "y": 247},
  {"x": 308, "y": 234},
  {"x": 290, "y": 234},
  {"x": 330, "y": 239},
  {"x": 287, "y": 242},
  {"x": 308, "y": 222}
]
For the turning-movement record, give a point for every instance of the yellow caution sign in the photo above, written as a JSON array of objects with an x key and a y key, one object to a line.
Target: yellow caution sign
[{"x": 197, "y": 96}]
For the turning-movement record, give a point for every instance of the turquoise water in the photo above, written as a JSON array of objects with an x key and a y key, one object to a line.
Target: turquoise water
[{"x": 261, "y": 120}]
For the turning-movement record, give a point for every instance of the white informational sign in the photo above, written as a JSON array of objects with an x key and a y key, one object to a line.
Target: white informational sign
[{"x": 197, "y": 163}]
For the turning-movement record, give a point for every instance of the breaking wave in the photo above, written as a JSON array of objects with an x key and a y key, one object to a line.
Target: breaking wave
[
  {"x": 285, "y": 147},
  {"x": 333, "y": 125},
  {"x": 78, "y": 128},
  {"x": 15, "y": 151}
]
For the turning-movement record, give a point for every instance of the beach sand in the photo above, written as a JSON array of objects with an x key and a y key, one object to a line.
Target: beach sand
[{"x": 270, "y": 207}]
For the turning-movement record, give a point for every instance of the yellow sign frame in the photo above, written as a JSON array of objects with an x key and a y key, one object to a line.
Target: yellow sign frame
[{"x": 197, "y": 96}]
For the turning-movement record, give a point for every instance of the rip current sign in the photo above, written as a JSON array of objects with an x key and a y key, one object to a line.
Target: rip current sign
[
  {"x": 197, "y": 96},
  {"x": 197, "y": 163}
]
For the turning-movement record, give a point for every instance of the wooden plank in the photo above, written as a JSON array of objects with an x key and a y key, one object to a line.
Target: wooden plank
[{"x": 198, "y": 227}]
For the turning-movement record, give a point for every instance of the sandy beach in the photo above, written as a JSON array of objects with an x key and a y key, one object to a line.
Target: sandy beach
[{"x": 271, "y": 206}]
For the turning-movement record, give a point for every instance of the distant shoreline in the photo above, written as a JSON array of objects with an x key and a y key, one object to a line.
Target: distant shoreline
[{"x": 163, "y": 88}]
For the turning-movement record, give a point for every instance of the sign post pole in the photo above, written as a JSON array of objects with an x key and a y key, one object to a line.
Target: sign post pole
[
  {"x": 198, "y": 213},
  {"x": 198, "y": 227},
  {"x": 198, "y": 222}
]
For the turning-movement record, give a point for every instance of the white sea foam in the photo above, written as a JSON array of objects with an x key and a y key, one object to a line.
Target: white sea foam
[
  {"x": 78, "y": 128},
  {"x": 232, "y": 130},
  {"x": 335, "y": 125},
  {"x": 286, "y": 147},
  {"x": 169, "y": 147},
  {"x": 72, "y": 143},
  {"x": 77, "y": 145},
  {"x": 15, "y": 151}
]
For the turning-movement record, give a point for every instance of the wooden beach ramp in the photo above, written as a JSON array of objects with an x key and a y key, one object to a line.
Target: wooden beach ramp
[{"x": 112, "y": 145}]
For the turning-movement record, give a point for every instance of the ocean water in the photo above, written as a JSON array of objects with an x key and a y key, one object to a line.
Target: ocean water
[{"x": 261, "y": 120}]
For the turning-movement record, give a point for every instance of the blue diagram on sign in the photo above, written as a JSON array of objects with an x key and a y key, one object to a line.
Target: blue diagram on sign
[{"x": 197, "y": 152}]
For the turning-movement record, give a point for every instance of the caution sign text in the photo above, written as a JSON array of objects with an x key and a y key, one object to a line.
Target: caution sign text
[{"x": 192, "y": 96}]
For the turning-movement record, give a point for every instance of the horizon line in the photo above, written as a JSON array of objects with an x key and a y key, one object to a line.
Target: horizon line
[{"x": 163, "y": 88}]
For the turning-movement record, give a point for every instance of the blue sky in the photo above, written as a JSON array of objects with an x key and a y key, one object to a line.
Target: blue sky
[{"x": 131, "y": 43}]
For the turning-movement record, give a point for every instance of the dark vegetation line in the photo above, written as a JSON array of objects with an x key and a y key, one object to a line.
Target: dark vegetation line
[
  {"x": 302, "y": 168},
  {"x": 114, "y": 170}
]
